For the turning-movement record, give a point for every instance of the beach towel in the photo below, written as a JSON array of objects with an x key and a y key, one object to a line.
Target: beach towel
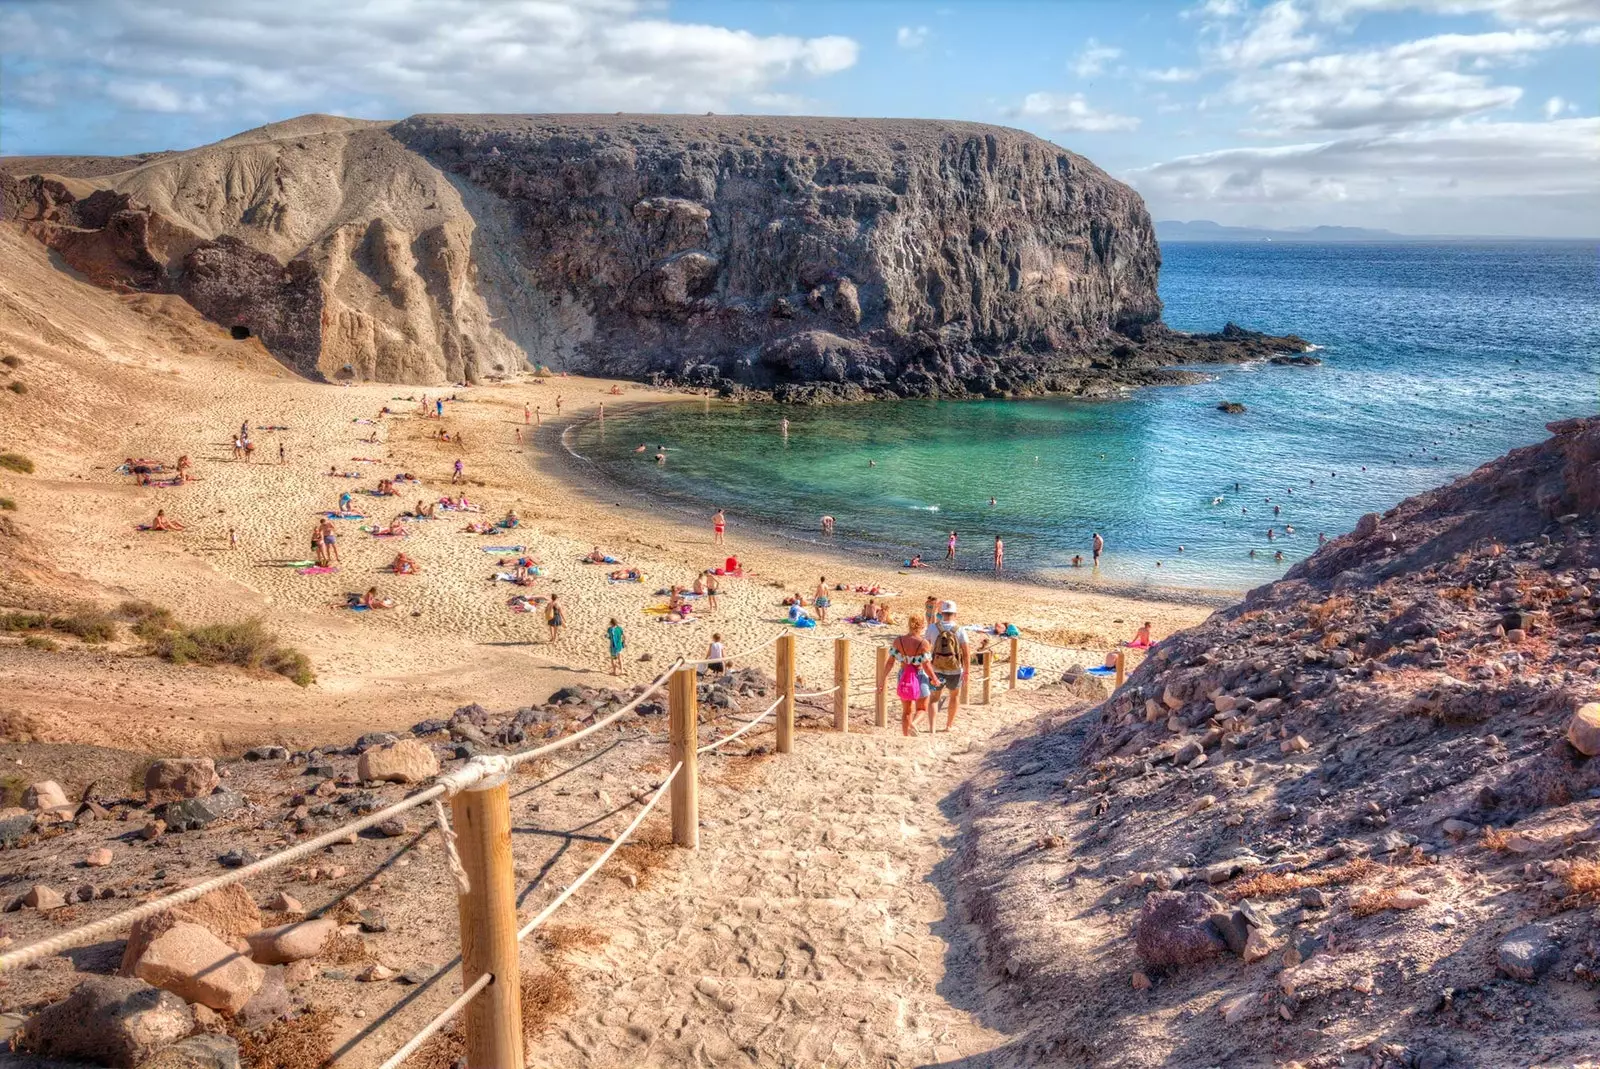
[
  {"x": 316, "y": 569},
  {"x": 296, "y": 563},
  {"x": 344, "y": 475},
  {"x": 366, "y": 460},
  {"x": 502, "y": 549},
  {"x": 271, "y": 427},
  {"x": 1102, "y": 670},
  {"x": 367, "y": 422},
  {"x": 604, "y": 560},
  {"x": 344, "y": 515}
]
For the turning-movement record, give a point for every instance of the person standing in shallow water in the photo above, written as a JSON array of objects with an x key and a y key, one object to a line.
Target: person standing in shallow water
[
  {"x": 1099, "y": 548},
  {"x": 999, "y": 554},
  {"x": 950, "y": 547}
]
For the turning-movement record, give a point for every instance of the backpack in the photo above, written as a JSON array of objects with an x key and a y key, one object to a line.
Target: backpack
[{"x": 946, "y": 651}]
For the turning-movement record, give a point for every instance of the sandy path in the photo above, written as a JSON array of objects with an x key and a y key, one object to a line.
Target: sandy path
[{"x": 811, "y": 927}]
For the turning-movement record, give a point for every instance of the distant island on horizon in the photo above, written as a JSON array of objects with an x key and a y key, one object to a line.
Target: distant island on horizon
[{"x": 1207, "y": 230}]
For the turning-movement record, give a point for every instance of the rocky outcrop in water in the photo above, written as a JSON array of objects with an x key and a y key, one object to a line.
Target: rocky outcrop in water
[{"x": 812, "y": 258}]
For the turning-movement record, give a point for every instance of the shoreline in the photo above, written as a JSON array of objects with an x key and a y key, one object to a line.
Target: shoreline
[{"x": 586, "y": 476}]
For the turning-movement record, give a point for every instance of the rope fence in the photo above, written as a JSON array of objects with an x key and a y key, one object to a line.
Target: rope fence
[{"x": 477, "y": 836}]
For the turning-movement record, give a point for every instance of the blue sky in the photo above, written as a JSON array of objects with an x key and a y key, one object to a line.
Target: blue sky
[{"x": 1425, "y": 116}]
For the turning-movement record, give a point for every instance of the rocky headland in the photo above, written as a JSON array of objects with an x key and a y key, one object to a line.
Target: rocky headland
[{"x": 805, "y": 258}]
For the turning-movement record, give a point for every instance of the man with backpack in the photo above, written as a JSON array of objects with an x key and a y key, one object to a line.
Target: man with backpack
[{"x": 948, "y": 659}]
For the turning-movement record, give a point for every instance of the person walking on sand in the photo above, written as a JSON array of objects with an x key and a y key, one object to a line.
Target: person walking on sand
[
  {"x": 527, "y": 415},
  {"x": 558, "y": 404},
  {"x": 460, "y": 471},
  {"x": 999, "y": 554},
  {"x": 820, "y": 601},
  {"x": 616, "y": 644},
  {"x": 947, "y": 644},
  {"x": 913, "y": 681},
  {"x": 716, "y": 657},
  {"x": 281, "y": 458},
  {"x": 950, "y": 546},
  {"x": 711, "y": 590},
  {"x": 1099, "y": 548},
  {"x": 719, "y": 527},
  {"x": 233, "y": 538},
  {"x": 438, "y": 408},
  {"x": 554, "y": 619}
]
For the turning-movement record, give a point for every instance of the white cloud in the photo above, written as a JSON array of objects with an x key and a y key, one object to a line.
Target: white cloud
[
  {"x": 1416, "y": 82},
  {"x": 1538, "y": 12},
  {"x": 253, "y": 58},
  {"x": 1093, "y": 59},
  {"x": 1273, "y": 33},
  {"x": 911, "y": 37},
  {"x": 1531, "y": 178},
  {"x": 1069, "y": 111},
  {"x": 1172, "y": 74},
  {"x": 1555, "y": 106}
]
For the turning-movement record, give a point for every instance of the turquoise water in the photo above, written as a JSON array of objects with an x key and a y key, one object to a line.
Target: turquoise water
[{"x": 1438, "y": 357}]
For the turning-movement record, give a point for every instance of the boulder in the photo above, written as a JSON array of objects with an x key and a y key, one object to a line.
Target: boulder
[
  {"x": 195, "y": 965},
  {"x": 173, "y": 779},
  {"x": 229, "y": 913},
  {"x": 14, "y": 825},
  {"x": 108, "y": 1021},
  {"x": 406, "y": 761},
  {"x": 198, "y": 1052},
  {"x": 1173, "y": 929},
  {"x": 46, "y": 796},
  {"x": 98, "y": 858},
  {"x": 1584, "y": 729},
  {"x": 42, "y": 898},
  {"x": 194, "y": 813},
  {"x": 1529, "y": 952},
  {"x": 291, "y": 942}
]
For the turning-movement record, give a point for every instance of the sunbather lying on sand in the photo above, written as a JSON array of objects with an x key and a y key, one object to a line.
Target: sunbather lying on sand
[{"x": 626, "y": 575}]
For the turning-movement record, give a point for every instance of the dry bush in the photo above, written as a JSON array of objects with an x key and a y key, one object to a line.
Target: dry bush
[
  {"x": 304, "y": 1042},
  {"x": 557, "y": 938},
  {"x": 345, "y": 949},
  {"x": 1465, "y": 595},
  {"x": 1373, "y": 902},
  {"x": 1332, "y": 640},
  {"x": 16, "y": 462},
  {"x": 1583, "y": 877},
  {"x": 1272, "y": 884},
  {"x": 246, "y": 643},
  {"x": 645, "y": 854},
  {"x": 1075, "y": 638},
  {"x": 1319, "y": 615},
  {"x": 1496, "y": 838}
]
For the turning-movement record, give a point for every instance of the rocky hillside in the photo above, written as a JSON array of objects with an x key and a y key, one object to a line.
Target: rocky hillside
[
  {"x": 808, "y": 256},
  {"x": 1350, "y": 821}
]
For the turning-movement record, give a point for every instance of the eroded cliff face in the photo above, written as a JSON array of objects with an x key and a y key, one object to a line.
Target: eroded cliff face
[{"x": 811, "y": 257}]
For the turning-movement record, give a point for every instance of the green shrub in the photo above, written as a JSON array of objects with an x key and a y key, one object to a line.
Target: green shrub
[
  {"x": 23, "y": 621},
  {"x": 246, "y": 644},
  {"x": 91, "y": 625},
  {"x": 40, "y": 642},
  {"x": 12, "y": 787},
  {"x": 8, "y": 504},
  {"x": 12, "y": 362},
  {"x": 150, "y": 621},
  {"x": 16, "y": 462},
  {"x": 17, "y": 386}
]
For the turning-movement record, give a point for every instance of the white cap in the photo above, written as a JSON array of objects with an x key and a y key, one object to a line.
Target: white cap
[{"x": 946, "y": 606}]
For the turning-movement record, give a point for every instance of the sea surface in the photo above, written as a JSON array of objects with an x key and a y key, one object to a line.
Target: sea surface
[{"x": 1437, "y": 358}]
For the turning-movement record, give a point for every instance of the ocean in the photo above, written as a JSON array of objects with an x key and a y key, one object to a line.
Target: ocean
[{"x": 1437, "y": 358}]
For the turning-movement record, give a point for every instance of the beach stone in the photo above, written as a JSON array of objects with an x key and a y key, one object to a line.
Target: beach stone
[
  {"x": 194, "y": 813},
  {"x": 229, "y": 913},
  {"x": 153, "y": 830},
  {"x": 14, "y": 825},
  {"x": 376, "y": 973},
  {"x": 194, "y": 964},
  {"x": 269, "y": 1003},
  {"x": 45, "y": 796},
  {"x": 1233, "y": 928},
  {"x": 42, "y": 898},
  {"x": 1313, "y": 898},
  {"x": 1140, "y": 981},
  {"x": 1406, "y": 898},
  {"x": 1529, "y": 952},
  {"x": 108, "y": 1021},
  {"x": 98, "y": 858},
  {"x": 1367, "y": 525},
  {"x": 291, "y": 942},
  {"x": 374, "y": 739},
  {"x": 1173, "y": 930},
  {"x": 371, "y": 921},
  {"x": 174, "y": 779},
  {"x": 267, "y": 753},
  {"x": 285, "y": 903},
  {"x": 198, "y": 1052},
  {"x": 1583, "y": 731},
  {"x": 405, "y": 761},
  {"x": 237, "y": 858}
]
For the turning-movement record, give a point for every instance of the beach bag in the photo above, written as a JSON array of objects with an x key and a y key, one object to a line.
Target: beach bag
[
  {"x": 946, "y": 651},
  {"x": 909, "y": 688}
]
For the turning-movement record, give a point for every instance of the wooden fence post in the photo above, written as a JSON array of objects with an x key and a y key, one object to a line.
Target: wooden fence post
[
  {"x": 880, "y": 700},
  {"x": 786, "y": 688},
  {"x": 683, "y": 710},
  {"x": 841, "y": 680},
  {"x": 966, "y": 677},
  {"x": 1122, "y": 666},
  {"x": 1011, "y": 684},
  {"x": 988, "y": 670},
  {"x": 488, "y": 914}
]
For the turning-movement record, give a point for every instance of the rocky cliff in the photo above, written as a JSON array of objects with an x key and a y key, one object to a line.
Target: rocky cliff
[
  {"x": 1355, "y": 812},
  {"x": 811, "y": 257}
]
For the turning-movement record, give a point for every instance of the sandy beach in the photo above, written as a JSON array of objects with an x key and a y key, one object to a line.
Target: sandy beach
[{"x": 141, "y": 376}]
